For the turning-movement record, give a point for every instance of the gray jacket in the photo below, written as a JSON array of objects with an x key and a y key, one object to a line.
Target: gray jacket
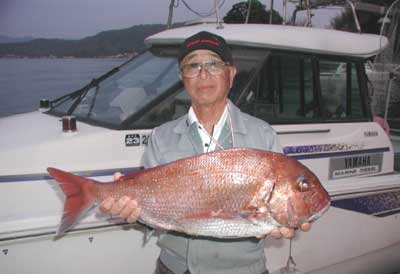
[{"x": 177, "y": 139}]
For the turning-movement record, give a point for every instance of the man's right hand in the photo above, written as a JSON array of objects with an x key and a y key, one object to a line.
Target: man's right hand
[{"x": 126, "y": 207}]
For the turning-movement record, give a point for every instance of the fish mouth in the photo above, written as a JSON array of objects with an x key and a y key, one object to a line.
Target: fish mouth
[{"x": 319, "y": 213}]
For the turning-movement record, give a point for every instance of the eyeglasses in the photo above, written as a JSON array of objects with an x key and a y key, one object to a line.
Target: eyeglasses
[{"x": 192, "y": 70}]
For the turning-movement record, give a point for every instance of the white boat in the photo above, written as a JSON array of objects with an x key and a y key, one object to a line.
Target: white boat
[{"x": 310, "y": 84}]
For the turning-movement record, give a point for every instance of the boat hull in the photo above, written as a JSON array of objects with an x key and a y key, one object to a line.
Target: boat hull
[
  {"x": 372, "y": 246},
  {"x": 32, "y": 204}
]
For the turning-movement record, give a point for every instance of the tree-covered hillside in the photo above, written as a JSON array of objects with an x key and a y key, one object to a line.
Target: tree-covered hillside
[{"x": 106, "y": 43}]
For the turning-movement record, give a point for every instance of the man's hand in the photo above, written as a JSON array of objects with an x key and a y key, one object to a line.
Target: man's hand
[
  {"x": 288, "y": 233},
  {"x": 126, "y": 207}
]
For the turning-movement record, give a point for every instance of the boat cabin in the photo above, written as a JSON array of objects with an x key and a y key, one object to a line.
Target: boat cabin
[{"x": 281, "y": 84}]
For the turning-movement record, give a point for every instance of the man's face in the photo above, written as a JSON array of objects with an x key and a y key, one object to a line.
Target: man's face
[{"x": 208, "y": 87}]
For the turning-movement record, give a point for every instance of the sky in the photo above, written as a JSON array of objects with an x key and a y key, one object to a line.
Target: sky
[{"x": 75, "y": 19}]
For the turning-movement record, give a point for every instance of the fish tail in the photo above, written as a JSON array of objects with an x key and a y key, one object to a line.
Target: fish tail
[{"x": 80, "y": 196}]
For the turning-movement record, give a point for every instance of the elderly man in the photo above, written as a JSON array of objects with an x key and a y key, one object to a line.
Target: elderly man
[{"x": 213, "y": 122}]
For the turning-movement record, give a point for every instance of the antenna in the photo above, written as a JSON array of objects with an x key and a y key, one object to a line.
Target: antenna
[
  {"x": 248, "y": 11},
  {"x": 219, "y": 23},
  {"x": 307, "y": 2},
  {"x": 284, "y": 12},
  {"x": 270, "y": 11},
  {"x": 170, "y": 14}
]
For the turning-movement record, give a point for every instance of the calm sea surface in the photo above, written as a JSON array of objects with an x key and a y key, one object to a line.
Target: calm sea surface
[{"x": 23, "y": 82}]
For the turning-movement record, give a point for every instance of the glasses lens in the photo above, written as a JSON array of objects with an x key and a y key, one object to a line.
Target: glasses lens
[
  {"x": 192, "y": 70},
  {"x": 214, "y": 67}
]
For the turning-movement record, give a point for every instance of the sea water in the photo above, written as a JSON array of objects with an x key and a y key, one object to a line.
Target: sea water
[{"x": 23, "y": 82}]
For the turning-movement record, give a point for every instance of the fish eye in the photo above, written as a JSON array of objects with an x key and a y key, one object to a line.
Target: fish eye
[{"x": 303, "y": 183}]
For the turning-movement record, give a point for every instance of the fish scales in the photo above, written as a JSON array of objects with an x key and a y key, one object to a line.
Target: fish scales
[
  {"x": 229, "y": 193},
  {"x": 199, "y": 187}
]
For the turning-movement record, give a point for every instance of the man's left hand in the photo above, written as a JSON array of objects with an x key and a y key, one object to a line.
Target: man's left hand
[{"x": 288, "y": 233}]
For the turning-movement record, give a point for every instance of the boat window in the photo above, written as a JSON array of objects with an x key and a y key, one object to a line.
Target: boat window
[
  {"x": 340, "y": 90},
  {"x": 294, "y": 88},
  {"x": 282, "y": 90}
]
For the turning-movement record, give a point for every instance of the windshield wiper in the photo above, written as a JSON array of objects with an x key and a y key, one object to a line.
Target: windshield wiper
[
  {"x": 94, "y": 83},
  {"x": 81, "y": 93}
]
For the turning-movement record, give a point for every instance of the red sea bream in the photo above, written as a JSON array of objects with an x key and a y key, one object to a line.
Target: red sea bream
[{"x": 225, "y": 194}]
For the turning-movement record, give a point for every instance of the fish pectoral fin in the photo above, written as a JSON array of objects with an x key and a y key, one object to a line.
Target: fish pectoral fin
[{"x": 256, "y": 214}]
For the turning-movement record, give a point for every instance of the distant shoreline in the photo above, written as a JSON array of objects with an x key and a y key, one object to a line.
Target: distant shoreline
[
  {"x": 117, "y": 56},
  {"x": 123, "y": 43}
]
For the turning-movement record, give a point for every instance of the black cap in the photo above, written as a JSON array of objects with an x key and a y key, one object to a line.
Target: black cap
[{"x": 206, "y": 40}]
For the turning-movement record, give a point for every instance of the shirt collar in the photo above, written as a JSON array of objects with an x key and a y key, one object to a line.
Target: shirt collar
[
  {"x": 238, "y": 124},
  {"x": 192, "y": 118}
]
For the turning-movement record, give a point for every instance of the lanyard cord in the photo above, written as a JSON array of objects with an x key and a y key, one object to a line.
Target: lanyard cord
[
  {"x": 231, "y": 125},
  {"x": 212, "y": 139}
]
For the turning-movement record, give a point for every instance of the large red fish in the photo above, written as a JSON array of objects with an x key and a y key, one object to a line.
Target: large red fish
[{"x": 228, "y": 193}]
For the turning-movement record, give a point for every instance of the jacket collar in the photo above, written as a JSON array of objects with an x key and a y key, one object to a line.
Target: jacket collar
[{"x": 238, "y": 124}]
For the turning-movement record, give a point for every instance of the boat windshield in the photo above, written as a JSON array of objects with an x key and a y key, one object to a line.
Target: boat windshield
[
  {"x": 112, "y": 101},
  {"x": 144, "y": 92}
]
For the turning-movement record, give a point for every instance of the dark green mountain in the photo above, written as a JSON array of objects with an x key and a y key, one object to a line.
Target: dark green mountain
[{"x": 106, "y": 43}]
